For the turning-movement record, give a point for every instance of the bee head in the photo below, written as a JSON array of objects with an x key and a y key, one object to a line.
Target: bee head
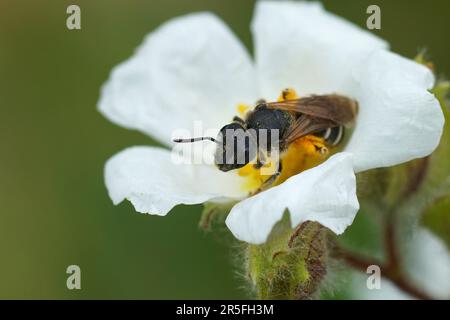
[{"x": 236, "y": 148}]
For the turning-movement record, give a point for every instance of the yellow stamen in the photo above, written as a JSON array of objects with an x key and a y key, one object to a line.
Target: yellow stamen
[
  {"x": 288, "y": 94},
  {"x": 242, "y": 109}
]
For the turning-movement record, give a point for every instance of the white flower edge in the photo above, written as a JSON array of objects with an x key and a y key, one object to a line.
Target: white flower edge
[
  {"x": 154, "y": 184},
  {"x": 326, "y": 194},
  {"x": 168, "y": 84},
  {"x": 175, "y": 79},
  {"x": 398, "y": 120},
  {"x": 299, "y": 44}
]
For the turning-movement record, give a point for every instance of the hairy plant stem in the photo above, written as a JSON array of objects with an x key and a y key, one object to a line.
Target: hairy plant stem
[{"x": 291, "y": 264}]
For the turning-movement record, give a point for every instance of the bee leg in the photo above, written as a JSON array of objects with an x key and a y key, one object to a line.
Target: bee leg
[
  {"x": 267, "y": 183},
  {"x": 239, "y": 120},
  {"x": 314, "y": 146},
  {"x": 321, "y": 148},
  {"x": 260, "y": 160},
  {"x": 258, "y": 164}
]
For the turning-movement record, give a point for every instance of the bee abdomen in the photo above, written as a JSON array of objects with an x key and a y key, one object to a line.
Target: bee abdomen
[{"x": 333, "y": 136}]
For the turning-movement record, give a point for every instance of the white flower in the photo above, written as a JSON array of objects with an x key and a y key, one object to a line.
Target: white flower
[
  {"x": 427, "y": 263},
  {"x": 193, "y": 68}
]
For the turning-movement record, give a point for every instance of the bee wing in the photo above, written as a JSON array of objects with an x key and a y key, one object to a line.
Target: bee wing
[
  {"x": 336, "y": 108},
  {"x": 306, "y": 125}
]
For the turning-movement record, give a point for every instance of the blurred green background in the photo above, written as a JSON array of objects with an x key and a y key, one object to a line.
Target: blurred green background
[{"x": 54, "y": 209}]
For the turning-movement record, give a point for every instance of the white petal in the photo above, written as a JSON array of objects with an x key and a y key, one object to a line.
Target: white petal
[
  {"x": 388, "y": 290},
  {"x": 326, "y": 194},
  {"x": 191, "y": 68},
  {"x": 428, "y": 264},
  {"x": 398, "y": 120},
  {"x": 154, "y": 182},
  {"x": 300, "y": 45}
]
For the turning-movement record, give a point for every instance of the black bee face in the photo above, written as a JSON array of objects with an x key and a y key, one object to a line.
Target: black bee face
[{"x": 235, "y": 149}]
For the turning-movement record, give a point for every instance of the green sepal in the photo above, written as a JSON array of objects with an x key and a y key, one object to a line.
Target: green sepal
[
  {"x": 436, "y": 211},
  {"x": 214, "y": 214},
  {"x": 438, "y": 179},
  {"x": 291, "y": 264}
]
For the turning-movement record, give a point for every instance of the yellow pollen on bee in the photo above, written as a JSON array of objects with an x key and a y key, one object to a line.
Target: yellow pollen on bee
[
  {"x": 304, "y": 153},
  {"x": 253, "y": 176}
]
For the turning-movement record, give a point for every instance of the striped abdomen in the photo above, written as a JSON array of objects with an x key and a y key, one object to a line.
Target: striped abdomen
[{"x": 332, "y": 136}]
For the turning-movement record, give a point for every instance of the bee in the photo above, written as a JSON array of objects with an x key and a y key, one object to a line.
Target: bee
[{"x": 240, "y": 142}]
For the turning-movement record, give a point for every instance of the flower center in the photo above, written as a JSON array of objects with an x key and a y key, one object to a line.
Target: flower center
[{"x": 302, "y": 154}]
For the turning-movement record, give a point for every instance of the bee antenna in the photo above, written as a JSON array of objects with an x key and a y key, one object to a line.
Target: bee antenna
[{"x": 190, "y": 140}]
